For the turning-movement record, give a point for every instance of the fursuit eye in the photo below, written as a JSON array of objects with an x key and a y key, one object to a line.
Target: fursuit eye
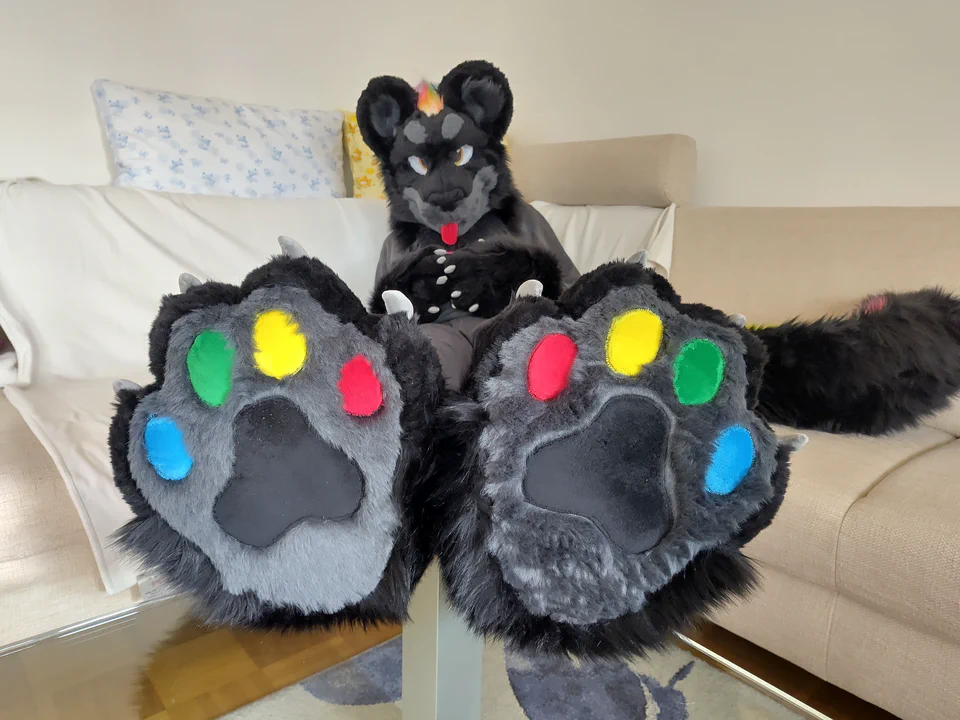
[
  {"x": 418, "y": 165},
  {"x": 463, "y": 155}
]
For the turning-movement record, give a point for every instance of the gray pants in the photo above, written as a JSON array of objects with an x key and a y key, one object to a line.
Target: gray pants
[{"x": 453, "y": 341}]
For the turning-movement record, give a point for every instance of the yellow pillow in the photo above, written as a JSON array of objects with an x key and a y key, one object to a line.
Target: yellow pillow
[
  {"x": 363, "y": 163},
  {"x": 367, "y": 182}
]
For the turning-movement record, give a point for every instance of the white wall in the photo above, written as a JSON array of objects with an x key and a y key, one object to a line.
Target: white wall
[{"x": 822, "y": 102}]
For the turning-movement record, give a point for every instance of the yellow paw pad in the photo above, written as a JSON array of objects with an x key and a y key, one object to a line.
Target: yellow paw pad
[
  {"x": 633, "y": 341},
  {"x": 279, "y": 348}
]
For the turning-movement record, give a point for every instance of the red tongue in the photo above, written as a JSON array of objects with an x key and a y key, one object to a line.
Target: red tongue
[{"x": 448, "y": 233}]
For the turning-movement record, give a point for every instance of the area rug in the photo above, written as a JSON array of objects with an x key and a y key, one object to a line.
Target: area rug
[{"x": 669, "y": 686}]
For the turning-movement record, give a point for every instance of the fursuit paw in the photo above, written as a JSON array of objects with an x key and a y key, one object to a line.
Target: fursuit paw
[
  {"x": 272, "y": 465},
  {"x": 614, "y": 467},
  {"x": 424, "y": 278},
  {"x": 484, "y": 277}
]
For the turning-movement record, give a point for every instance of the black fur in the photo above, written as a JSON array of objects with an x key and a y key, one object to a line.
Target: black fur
[
  {"x": 498, "y": 269},
  {"x": 185, "y": 567},
  {"x": 481, "y": 90},
  {"x": 382, "y": 107},
  {"x": 592, "y": 287},
  {"x": 872, "y": 373},
  {"x": 761, "y": 520},
  {"x": 494, "y": 270},
  {"x": 472, "y": 575}
]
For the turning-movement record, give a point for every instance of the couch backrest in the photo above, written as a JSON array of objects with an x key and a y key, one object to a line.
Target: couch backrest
[
  {"x": 650, "y": 170},
  {"x": 772, "y": 264}
]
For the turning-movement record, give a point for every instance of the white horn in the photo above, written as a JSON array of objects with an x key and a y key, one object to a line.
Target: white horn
[
  {"x": 530, "y": 288},
  {"x": 396, "y": 302},
  {"x": 739, "y": 320},
  {"x": 796, "y": 442},
  {"x": 188, "y": 281},
  {"x": 639, "y": 257},
  {"x": 291, "y": 248},
  {"x": 121, "y": 385}
]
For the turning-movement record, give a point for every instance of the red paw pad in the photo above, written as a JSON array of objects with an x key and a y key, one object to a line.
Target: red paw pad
[
  {"x": 360, "y": 388},
  {"x": 548, "y": 371}
]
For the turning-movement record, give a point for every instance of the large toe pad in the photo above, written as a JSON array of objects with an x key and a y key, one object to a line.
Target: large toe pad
[
  {"x": 616, "y": 479},
  {"x": 284, "y": 473}
]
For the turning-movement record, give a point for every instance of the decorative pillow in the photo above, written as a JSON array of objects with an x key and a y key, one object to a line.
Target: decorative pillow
[
  {"x": 363, "y": 163},
  {"x": 178, "y": 143}
]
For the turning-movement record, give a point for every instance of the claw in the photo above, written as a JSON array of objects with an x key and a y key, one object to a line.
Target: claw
[
  {"x": 396, "y": 302},
  {"x": 188, "y": 281},
  {"x": 739, "y": 320},
  {"x": 639, "y": 257},
  {"x": 291, "y": 248},
  {"x": 530, "y": 288},
  {"x": 796, "y": 442},
  {"x": 121, "y": 385}
]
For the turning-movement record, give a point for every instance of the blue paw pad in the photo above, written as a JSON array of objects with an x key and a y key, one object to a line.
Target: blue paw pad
[
  {"x": 166, "y": 450},
  {"x": 733, "y": 455}
]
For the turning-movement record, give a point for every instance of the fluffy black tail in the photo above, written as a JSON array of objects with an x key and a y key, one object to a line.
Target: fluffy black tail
[{"x": 879, "y": 370}]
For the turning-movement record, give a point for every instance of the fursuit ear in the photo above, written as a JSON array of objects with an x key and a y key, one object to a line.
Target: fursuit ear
[
  {"x": 382, "y": 108},
  {"x": 480, "y": 90}
]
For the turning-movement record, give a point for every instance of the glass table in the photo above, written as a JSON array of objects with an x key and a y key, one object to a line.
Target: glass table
[{"x": 156, "y": 662}]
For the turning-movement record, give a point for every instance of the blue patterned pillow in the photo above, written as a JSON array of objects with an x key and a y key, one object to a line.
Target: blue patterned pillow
[{"x": 178, "y": 143}]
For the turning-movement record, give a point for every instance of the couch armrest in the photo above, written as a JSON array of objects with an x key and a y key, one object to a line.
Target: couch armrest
[{"x": 654, "y": 170}]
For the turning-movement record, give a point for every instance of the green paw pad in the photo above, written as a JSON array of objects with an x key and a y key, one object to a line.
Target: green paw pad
[
  {"x": 698, "y": 372},
  {"x": 210, "y": 366}
]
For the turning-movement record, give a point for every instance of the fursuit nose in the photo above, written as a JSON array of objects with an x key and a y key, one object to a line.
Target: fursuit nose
[{"x": 447, "y": 200}]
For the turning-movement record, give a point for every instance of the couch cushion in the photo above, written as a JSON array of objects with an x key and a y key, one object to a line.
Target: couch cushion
[
  {"x": 895, "y": 665},
  {"x": 787, "y": 616},
  {"x": 772, "y": 264},
  {"x": 899, "y": 549},
  {"x": 828, "y": 476}
]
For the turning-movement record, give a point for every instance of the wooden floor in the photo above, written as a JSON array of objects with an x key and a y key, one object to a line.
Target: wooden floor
[
  {"x": 818, "y": 694},
  {"x": 203, "y": 674},
  {"x": 159, "y": 664}
]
